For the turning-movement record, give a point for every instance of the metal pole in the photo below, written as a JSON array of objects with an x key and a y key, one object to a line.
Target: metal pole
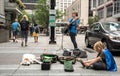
[{"x": 52, "y": 28}]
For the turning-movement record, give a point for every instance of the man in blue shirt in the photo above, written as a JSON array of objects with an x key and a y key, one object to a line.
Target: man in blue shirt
[
  {"x": 15, "y": 28},
  {"x": 74, "y": 23}
]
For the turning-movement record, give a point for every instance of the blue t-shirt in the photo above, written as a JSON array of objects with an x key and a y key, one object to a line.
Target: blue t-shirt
[
  {"x": 73, "y": 28},
  {"x": 15, "y": 25}
]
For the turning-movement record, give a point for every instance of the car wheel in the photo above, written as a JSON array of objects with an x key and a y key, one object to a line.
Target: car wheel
[{"x": 87, "y": 43}]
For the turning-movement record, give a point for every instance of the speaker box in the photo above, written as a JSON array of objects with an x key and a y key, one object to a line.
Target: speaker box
[{"x": 45, "y": 66}]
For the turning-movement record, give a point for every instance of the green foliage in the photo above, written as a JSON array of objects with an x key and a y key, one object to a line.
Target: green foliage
[
  {"x": 59, "y": 14},
  {"x": 92, "y": 20},
  {"x": 42, "y": 13},
  {"x": 20, "y": 3}
]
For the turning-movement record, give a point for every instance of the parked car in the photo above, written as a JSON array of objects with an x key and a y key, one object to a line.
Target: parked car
[{"x": 109, "y": 33}]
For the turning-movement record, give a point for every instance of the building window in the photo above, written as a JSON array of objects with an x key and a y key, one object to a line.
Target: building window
[
  {"x": 94, "y": 3},
  {"x": 101, "y": 13},
  {"x": 69, "y": 0},
  {"x": 117, "y": 7},
  {"x": 109, "y": 10},
  {"x": 100, "y": 2}
]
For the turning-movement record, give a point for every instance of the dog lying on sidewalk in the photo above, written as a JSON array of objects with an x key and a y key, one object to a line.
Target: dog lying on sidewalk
[{"x": 28, "y": 59}]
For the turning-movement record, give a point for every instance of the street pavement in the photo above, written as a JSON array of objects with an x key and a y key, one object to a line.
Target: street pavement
[{"x": 11, "y": 56}]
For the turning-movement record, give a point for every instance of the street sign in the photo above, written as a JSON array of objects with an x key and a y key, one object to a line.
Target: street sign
[
  {"x": 52, "y": 12},
  {"x": 52, "y": 18},
  {"x": 52, "y": 21}
]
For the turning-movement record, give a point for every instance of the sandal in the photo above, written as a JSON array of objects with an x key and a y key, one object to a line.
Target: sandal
[{"x": 82, "y": 63}]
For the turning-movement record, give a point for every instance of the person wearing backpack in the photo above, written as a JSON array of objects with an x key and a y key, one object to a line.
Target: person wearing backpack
[
  {"x": 35, "y": 33},
  {"x": 24, "y": 30},
  {"x": 15, "y": 28},
  {"x": 73, "y": 26}
]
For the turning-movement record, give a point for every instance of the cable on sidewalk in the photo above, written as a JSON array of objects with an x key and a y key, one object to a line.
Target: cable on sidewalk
[{"x": 15, "y": 70}]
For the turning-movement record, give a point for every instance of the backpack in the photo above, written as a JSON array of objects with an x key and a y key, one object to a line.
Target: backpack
[
  {"x": 24, "y": 25},
  {"x": 80, "y": 53},
  {"x": 76, "y": 52},
  {"x": 66, "y": 52},
  {"x": 83, "y": 54},
  {"x": 68, "y": 66},
  {"x": 36, "y": 29}
]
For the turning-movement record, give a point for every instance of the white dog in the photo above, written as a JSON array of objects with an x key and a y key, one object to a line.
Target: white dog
[{"x": 28, "y": 59}]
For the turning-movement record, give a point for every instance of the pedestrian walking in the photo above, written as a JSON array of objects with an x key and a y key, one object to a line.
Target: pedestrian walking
[
  {"x": 35, "y": 33},
  {"x": 103, "y": 61},
  {"x": 24, "y": 30},
  {"x": 31, "y": 30},
  {"x": 16, "y": 29},
  {"x": 73, "y": 26}
]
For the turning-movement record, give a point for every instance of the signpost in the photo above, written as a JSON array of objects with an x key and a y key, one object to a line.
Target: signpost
[
  {"x": 52, "y": 18},
  {"x": 52, "y": 24}
]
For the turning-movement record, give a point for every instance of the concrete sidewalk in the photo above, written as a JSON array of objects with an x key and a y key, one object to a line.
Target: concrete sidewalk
[{"x": 11, "y": 55}]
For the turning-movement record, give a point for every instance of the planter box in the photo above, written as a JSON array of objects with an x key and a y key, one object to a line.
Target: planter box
[{"x": 4, "y": 35}]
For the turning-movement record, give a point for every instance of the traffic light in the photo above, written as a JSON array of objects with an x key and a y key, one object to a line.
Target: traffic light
[{"x": 52, "y": 4}]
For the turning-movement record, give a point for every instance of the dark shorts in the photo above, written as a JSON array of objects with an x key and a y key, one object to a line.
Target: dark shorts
[{"x": 15, "y": 33}]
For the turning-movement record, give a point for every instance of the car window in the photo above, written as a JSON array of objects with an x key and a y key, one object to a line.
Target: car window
[
  {"x": 115, "y": 27},
  {"x": 106, "y": 26},
  {"x": 111, "y": 26},
  {"x": 92, "y": 27},
  {"x": 95, "y": 26}
]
